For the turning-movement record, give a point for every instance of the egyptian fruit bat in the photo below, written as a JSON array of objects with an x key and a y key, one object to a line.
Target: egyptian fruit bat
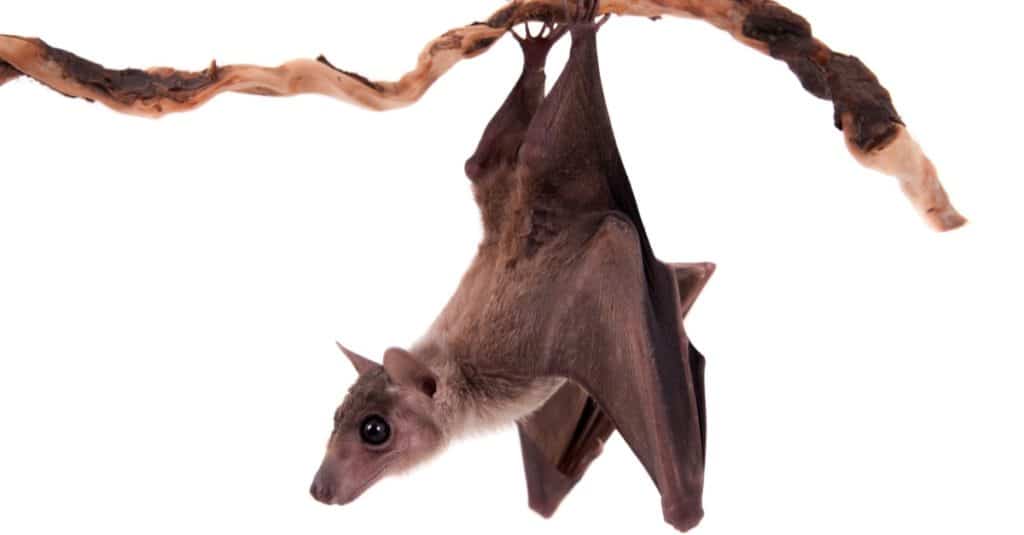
[{"x": 565, "y": 309}]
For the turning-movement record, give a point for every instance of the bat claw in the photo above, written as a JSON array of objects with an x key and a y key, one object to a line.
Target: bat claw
[
  {"x": 584, "y": 11},
  {"x": 547, "y": 29},
  {"x": 584, "y": 14}
]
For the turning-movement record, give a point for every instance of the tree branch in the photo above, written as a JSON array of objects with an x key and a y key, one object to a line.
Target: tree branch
[{"x": 874, "y": 132}]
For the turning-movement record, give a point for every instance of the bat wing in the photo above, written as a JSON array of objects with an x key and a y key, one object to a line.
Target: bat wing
[
  {"x": 626, "y": 374},
  {"x": 691, "y": 280},
  {"x": 559, "y": 442},
  {"x": 616, "y": 329},
  {"x": 562, "y": 438}
]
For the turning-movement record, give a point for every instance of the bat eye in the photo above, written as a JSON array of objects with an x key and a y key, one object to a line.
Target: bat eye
[{"x": 375, "y": 430}]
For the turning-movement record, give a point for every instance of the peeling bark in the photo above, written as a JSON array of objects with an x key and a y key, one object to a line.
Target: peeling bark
[
  {"x": 7, "y": 72},
  {"x": 863, "y": 107},
  {"x": 844, "y": 80},
  {"x": 128, "y": 86},
  {"x": 875, "y": 134},
  {"x": 158, "y": 91}
]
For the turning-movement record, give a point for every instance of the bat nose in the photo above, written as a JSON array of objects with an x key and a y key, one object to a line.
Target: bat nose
[{"x": 322, "y": 491}]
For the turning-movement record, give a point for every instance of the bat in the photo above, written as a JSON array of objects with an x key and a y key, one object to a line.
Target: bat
[
  {"x": 564, "y": 309},
  {"x": 874, "y": 132}
]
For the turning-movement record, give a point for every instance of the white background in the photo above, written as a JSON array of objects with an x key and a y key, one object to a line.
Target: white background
[{"x": 170, "y": 291}]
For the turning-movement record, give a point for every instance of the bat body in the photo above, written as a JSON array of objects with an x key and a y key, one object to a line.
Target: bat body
[{"x": 565, "y": 321}]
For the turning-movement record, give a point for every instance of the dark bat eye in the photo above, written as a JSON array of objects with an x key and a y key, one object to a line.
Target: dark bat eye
[{"x": 375, "y": 430}]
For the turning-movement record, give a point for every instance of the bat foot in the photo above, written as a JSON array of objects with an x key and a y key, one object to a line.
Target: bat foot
[
  {"x": 536, "y": 47},
  {"x": 582, "y": 16},
  {"x": 683, "y": 516}
]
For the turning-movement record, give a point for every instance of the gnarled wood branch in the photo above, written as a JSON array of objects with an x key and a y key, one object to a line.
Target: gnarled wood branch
[{"x": 874, "y": 132}]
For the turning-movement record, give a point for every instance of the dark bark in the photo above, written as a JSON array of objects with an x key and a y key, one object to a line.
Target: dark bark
[{"x": 844, "y": 80}]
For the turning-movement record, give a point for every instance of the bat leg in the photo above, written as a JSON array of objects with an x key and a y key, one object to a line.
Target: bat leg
[{"x": 499, "y": 145}]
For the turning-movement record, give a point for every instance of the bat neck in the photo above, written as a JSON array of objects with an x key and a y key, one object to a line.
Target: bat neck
[{"x": 471, "y": 400}]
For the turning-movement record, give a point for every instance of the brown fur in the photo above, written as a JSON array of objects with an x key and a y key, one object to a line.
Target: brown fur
[{"x": 7, "y": 72}]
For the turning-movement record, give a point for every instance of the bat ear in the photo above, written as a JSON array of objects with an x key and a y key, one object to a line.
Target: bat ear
[
  {"x": 405, "y": 369},
  {"x": 359, "y": 362}
]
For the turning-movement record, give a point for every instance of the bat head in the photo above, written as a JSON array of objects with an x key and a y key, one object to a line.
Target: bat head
[{"x": 386, "y": 424}]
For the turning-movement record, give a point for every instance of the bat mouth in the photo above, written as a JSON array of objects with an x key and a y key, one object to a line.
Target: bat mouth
[{"x": 350, "y": 497}]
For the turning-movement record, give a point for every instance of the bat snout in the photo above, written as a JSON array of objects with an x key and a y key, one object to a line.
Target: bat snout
[
  {"x": 323, "y": 490},
  {"x": 331, "y": 488},
  {"x": 327, "y": 488}
]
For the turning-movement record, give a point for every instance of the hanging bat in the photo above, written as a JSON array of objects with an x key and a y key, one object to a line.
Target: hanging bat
[
  {"x": 564, "y": 309},
  {"x": 874, "y": 132}
]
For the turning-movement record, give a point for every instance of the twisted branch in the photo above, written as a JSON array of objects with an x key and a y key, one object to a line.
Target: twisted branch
[{"x": 874, "y": 132}]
